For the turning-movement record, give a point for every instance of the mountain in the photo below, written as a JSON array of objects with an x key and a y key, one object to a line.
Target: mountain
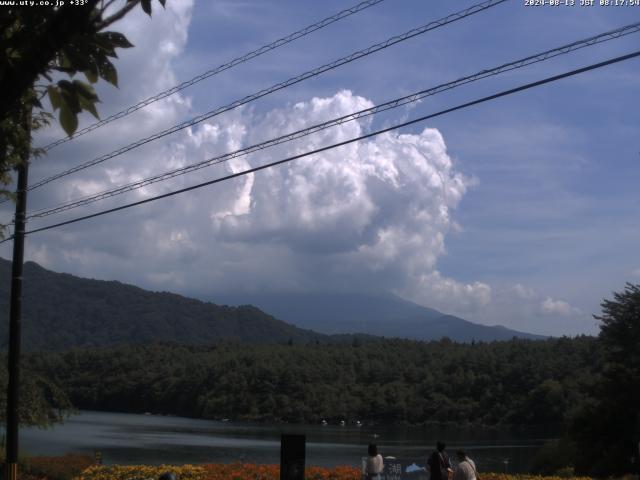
[
  {"x": 61, "y": 311},
  {"x": 381, "y": 315}
]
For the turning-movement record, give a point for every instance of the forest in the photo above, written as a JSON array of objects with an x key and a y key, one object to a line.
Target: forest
[
  {"x": 582, "y": 389},
  {"x": 516, "y": 383}
]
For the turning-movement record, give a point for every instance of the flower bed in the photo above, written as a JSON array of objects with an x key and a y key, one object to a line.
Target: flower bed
[
  {"x": 235, "y": 471},
  {"x": 504, "y": 476},
  {"x": 251, "y": 471},
  {"x": 141, "y": 472},
  {"x": 55, "y": 468}
]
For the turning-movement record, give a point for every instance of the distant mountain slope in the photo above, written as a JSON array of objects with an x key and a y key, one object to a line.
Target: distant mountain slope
[
  {"x": 382, "y": 315},
  {"x": 62, "y": 311}
]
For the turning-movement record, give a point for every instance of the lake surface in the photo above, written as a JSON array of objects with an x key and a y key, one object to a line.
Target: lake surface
[{"x": 150, "y": 439}]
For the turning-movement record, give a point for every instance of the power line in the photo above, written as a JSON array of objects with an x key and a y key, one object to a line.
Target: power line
[
  {"x": 565, "y": 49},
  {"x": 279, "y": 86},
  {"x": 209, "y": 73},
  {"x": 346, "y": 142}
]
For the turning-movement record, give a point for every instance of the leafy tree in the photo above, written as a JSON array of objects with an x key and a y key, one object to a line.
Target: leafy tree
[
  {"x": 37, "y": 44},
  {"x": 42, "y": 401},
  {"x": 607, "y": 428},
  {"x": 40, "y": 43},
  {"x": 554, "y": 458}
]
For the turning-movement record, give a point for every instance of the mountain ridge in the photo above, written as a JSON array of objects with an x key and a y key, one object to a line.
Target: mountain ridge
[
  {"x": 380, "y": 315},
  {"x": 63, "y": 311}
]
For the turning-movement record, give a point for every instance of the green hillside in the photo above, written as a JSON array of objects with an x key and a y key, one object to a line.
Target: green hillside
[{"x": 61, "y": 311}]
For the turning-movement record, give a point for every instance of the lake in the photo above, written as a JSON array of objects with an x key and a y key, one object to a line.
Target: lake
[{"x": 151, "y": 439}]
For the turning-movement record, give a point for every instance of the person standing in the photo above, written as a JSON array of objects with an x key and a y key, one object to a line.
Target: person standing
[
  {"x": 466, "y": 469},
  {"x": 374, "y": 465},
  {"x": 439, "y": 464}
]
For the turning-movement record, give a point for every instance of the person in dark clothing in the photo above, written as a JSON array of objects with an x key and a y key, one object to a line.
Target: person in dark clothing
[{"x": 439, "y": 464}]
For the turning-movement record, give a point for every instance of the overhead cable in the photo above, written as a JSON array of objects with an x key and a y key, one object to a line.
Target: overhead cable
[
  {"x": 226, "y": 66},
  {"x": 532, "y": 59},
  {"x": 346, "y": 142},
  {"x": 279, "y": 86}
]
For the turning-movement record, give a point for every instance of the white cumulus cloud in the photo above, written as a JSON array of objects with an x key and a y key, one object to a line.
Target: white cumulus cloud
[
  {"x": 523, "y": 292},
  {"x": 550, "y": 306},
  {"x": 368, "y": 216}
]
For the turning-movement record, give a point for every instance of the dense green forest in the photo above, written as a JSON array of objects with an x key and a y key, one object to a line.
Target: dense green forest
[
  {"x": 583, "y": 389},
  {"x": 518, "y": 382}
]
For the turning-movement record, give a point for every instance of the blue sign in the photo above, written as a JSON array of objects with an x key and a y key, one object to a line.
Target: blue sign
[{"x": 402, "y": 469}]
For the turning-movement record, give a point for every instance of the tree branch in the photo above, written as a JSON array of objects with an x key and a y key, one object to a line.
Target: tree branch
[
  {"x": 118, "y": 15},
  {"x": 108, "y": 4}
]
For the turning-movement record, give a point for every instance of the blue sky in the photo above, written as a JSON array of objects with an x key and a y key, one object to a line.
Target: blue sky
[{"x": 521, "y": 211}]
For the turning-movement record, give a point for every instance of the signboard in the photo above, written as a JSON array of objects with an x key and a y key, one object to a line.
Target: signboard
[
  {"x": 402, "y": 469},
  {"x": 292, "y": 457}
]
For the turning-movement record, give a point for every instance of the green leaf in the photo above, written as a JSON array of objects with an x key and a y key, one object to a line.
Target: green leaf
[
  {"x": 85, "y": 90},
  {"x": 67, "y": 87},
  {"x": 104, "y": 46},
  {"x": 68, "y": 119},
  {"x": 91, "y": 74},
  {"x": 86, "y": 97},
  {"x": 146, "y": 6},
  {"x": 89, "y": 104},
  {"x": 78, "y": 56},
  {"x": 64, "y": 60},
  {"x": 108, "y": 72},
  {"x": 116, "y": 39},
  {"x": 69, "y": 96}
]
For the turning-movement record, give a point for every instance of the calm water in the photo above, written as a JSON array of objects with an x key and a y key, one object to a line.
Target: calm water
[{"x": 150, "y": 439}]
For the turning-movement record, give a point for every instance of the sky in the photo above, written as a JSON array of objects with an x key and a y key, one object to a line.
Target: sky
[{"x": 522, "y": 211}]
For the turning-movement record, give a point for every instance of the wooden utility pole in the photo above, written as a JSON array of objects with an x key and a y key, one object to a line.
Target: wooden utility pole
[{"x": 15, "y": 314}]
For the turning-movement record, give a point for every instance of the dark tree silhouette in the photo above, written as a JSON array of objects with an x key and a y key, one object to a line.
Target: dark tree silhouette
[{"x": 607, "y": 428}]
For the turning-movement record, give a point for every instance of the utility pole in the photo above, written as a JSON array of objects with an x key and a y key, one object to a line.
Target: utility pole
[{"x": 15, "y": 312}]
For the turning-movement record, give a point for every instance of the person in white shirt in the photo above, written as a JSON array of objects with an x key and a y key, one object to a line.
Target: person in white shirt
[
  {"x": 374, "y": 465},
  {"x": 466, "y": 469}
]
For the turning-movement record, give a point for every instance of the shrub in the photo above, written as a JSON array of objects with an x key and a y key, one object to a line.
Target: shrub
[
  {"x": 140, "y": 472},
  {"x": 57, "y": 468}
]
